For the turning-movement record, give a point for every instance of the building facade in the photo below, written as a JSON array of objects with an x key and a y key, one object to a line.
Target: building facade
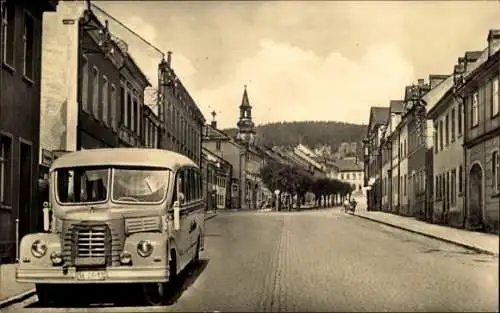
[
  {"x": 418, "y": 168},
  {"x": 447, "y": 116},
  {"x": 216, "y": 174},
  {"x": 20, "y": 75},
  {"x": 182, "y": 118},
  {"x": 372, "y": 159},
  {"x": 479, "y": 90}
]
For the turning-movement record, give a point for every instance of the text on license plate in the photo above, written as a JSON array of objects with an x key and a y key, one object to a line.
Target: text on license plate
[{"x": 90, "y": 275}]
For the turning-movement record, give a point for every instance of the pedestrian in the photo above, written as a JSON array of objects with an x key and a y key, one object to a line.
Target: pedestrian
[{"x": 346, "y": 205}]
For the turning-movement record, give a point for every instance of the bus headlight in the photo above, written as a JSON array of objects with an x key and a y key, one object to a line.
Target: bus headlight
[
  {"x": 144, "y": 248},
  {"x": 38, "y": 248},
  {"x": 125, "y": 257},
  {"x": 56, "y": 258}
]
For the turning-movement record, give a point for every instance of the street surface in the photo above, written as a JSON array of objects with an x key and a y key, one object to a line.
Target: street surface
[{"x": 324, "y": 260}]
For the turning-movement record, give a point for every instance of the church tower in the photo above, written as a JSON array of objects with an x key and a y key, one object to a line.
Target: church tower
[{"x": 246, "y": 132}]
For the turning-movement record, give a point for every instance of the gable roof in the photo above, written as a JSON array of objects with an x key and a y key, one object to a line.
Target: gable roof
[
  {"x": 378, "y": 115},
  {"x": 397, "y": 106}
]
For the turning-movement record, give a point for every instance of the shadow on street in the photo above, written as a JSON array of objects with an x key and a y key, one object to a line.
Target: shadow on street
[{"x": 112, "y": 296}]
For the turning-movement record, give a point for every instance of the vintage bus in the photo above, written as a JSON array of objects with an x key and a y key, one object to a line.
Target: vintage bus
[{"x": 117, "y": 216}]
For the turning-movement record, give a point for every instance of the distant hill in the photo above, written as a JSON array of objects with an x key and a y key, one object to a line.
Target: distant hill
[{"x": 312, "y": 134}]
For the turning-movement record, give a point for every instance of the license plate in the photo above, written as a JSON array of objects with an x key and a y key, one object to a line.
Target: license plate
[{"x": 90, "y": 275}]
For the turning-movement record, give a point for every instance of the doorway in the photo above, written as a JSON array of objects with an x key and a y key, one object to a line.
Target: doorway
[
  {"x": 25, "y": 188},
  {"x": 476, "y": 197}
]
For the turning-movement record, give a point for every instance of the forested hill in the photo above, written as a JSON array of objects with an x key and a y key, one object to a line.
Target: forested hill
[{"x": 312, "y": 134}]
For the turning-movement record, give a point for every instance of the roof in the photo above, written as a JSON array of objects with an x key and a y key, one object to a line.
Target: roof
[
  {"x": 379, "y": 115},
  {"x": 348, "y": 165},
  {"x": 397, "y": 106},
  {"x": 244, "y": 101},
  {"x": 122, "y": 156},
  {"x": 433, "y": 97}
]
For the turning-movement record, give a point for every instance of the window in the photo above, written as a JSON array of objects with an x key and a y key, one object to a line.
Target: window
[
  {"x": 447, "y": 129},
  {"x": 85, "y": 85},
  {"x": 146, "y": 133},
  {"x": 218, "y": 145},
  {"x": 114, "y": 120},
  {"x": 441, "y": 141},
  {"x": 105, "y": 99},
  {"x": 95, "y": 92},
  {"x": 495, "y": 169},
  {"x": 29, "y": 47},
  {"x": 436, "y": 143},
  {"x": 8, "y": 33},
  {"x": 123, "y": 105},
  {"x": 135, "y": 115},
  {"x": 460, "y": 178},
  {"x": 78, "y": 185},
  {"x": 128, "y": 111},
  {"x": 459, "y": 118},
  {"x": 437, "y": 188},
  {"x": 494, "y": 98},
  {"x": 5, "y": 169},
  {"x": 453, "y": 190},
  {"x": 404, "y": 185},
  {"x": 452, "y": 125},
  {"x": 475, "y": 109},
  {"x": 137, "y": 108}
]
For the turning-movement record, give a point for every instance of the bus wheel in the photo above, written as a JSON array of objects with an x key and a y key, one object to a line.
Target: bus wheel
[
  {"x": 196, "y": 258},
  {"x": 155, "y": 293}
]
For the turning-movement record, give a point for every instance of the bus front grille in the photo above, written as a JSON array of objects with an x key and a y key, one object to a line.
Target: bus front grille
[{"x": 88, "y": 244}]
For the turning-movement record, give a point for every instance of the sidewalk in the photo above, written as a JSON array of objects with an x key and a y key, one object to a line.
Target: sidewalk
[
  {"x": 10, "y": 290},
  {"x": 480, "y": 242}
]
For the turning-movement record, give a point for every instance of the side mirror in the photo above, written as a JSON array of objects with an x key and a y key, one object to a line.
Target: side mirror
[
  {"x": 46, "y": 216},
  {"x": 177, "y": 216}
]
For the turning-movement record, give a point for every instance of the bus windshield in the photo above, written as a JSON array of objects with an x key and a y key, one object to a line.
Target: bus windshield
[
  {"x": 129, "y": 184},
  {"x": 140, "y": 185}
]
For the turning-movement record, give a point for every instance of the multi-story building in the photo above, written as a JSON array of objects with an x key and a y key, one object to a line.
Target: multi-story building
[
  {"x": 245, "y": 159},
  {"x": 396, "y": 111},
  {"x": 20, "y": 74},
  {"x": 152, "y": 126},
  {"x": 386, "y": 163},
  {"x": 216, "y": 174},
  {"x": 403, "y": 167},
  {"x": 92, "y": 90},
  {"x": 447, "y": 117},
  {"x": 479, "y": 90},
  {"x": 418, "y": 142},
  {"x": 182, "y": 118},
  {"x": 372, "y": 159},
  {"x": 351, "y": 172}
]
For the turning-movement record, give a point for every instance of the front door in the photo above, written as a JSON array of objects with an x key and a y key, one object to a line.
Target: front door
[{"x": 475, "y": 218}]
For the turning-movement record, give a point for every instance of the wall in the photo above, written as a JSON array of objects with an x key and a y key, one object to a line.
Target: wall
[{"x": 59, "y": 106}]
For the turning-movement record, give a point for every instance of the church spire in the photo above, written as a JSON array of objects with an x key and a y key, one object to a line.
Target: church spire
[
  {"x": 246, "y": 132},
  {"x": 245, "y": 103}
]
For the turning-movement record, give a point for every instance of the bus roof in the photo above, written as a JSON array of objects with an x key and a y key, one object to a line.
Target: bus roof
[{"x": 122, "y": 157}]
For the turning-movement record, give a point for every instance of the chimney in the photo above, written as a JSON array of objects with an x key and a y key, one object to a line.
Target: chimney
[
  {"x": 169, "y": 58},
  {"x": 214, "y": 122},
  {"x": 493, "y": 41},
  {"x": 420, "y": 82},
  {"x": 435, "y": 79}
]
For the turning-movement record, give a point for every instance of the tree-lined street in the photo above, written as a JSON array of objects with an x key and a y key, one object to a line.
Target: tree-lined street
[{"x": 325, "y": 260}]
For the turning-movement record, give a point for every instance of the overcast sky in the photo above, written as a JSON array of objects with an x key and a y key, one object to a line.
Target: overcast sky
[{"x": 303, "y": 60}]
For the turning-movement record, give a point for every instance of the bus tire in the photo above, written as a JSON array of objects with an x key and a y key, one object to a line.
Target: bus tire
[{"x": 196, "y": 258}]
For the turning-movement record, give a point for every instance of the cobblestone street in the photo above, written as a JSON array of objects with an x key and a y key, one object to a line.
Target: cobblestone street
[{"x": 326, "y": 260}]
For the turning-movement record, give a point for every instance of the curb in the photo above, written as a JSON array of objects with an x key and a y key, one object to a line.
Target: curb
[
  {"x": 463, "y": 245},
  {"x": 17, "y": 298}
]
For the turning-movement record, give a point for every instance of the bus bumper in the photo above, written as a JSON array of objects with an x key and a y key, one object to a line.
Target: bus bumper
[{"x": 110, "y": 275}]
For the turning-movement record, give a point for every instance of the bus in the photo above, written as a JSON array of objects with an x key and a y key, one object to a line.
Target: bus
[{"x": 116, "y": 216}]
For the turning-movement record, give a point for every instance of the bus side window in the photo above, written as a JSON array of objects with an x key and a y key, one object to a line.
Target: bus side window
[
  {"x": 179, "y": 194},
  {"x": 192, "y": 185}
]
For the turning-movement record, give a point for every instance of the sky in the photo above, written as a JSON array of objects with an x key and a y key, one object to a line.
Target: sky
[{"x": 328, "y": 61}]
